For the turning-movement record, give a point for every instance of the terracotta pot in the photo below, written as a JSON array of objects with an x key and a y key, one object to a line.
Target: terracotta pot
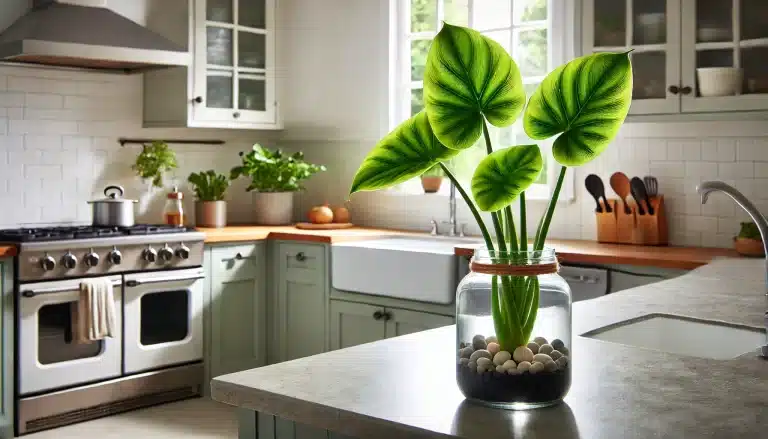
[
  {"x": 211, "y": 213},
  {"x": 749, "y": 247},
  {"x": 431, "y": 184}
]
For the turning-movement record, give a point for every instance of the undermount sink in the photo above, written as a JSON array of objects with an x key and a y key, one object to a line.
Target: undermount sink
[
  {"x": 683, "y": 335},
  {"x": 413, "y": 268}
]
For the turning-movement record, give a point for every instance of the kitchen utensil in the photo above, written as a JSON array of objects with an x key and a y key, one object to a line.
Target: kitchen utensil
[
  {"x": 114, "y": 210},
  {"x": 329, "y": 226},
  {"x": 620, "y": 185},
  {"x": 719, "y": 81},
  {"x": 652, "y": 185},
  {"x": 640, "y": 194},
  {"x": 596, "y": 188}
]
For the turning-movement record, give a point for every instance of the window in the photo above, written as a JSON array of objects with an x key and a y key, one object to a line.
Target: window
[{"x": 532, "y": 31}]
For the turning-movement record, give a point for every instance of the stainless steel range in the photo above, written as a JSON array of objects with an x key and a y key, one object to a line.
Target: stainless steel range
[{"x": 156, "y": 350}]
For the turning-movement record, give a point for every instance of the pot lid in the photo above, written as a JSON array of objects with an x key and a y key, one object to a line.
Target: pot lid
[{"x": 114, "y": 194}]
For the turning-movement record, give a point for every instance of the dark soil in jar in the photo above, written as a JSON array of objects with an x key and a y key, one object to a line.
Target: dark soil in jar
[{"x": 498, "y": 387}]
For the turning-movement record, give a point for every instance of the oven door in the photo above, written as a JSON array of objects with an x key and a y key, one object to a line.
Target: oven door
[
  {"x": 49, "y": 357},
  {"x": 163, "y": 319}
]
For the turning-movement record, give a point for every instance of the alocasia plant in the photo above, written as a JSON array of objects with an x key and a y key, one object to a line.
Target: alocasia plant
[{"x": 470, "y": 81}]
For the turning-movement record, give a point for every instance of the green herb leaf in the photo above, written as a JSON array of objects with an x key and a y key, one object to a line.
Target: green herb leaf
[
  {"x": 469, "y": 76},
  {"x": 272, "y": 171},
  {"x": 405, "y": 153},
  {"x": 587, "y": 100},
  {"x": 503, "y": 175}
]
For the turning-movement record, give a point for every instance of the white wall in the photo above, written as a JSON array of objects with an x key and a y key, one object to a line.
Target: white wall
[{"x": 337, "y": 107}]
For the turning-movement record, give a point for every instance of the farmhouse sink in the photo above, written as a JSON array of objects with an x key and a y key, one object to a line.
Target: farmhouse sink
[
  {"x": 413, "y": 268},
  {"x": 683, "y": 335}
]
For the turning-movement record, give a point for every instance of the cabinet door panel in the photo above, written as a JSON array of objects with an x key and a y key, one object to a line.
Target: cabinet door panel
[
  {"x": 303, "y": 312},
  {"x": 238, "y": 308},
  {"x": 728, "y": 34},
  {"x": 404, "y": 322},
  {"x": 353, "y": 324},
  {"x": 6, "y": 348},
  {"x": 651, "y": 30}
]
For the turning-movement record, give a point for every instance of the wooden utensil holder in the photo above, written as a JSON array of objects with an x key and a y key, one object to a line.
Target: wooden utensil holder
[{"x": 633, "y": 228}]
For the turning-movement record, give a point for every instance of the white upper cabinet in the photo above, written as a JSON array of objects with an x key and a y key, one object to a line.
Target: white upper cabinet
[
  {"x": 231, "y": 83},
  {"x": 672, "y": 40}
]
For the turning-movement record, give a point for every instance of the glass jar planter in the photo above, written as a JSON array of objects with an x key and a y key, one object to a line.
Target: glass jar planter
[{"x": 513, "y": 330}]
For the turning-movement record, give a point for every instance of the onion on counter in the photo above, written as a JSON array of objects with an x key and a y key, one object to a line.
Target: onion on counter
[{"x": 320, "y": 215}]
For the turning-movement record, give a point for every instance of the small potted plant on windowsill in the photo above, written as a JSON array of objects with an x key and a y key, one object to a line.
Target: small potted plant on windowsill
[
  {"x": 749, "y": 242},
  {"x": 210, "y": 189},
  {"x": 432, "y": 179},
  {"x": 275, "y": 177}
]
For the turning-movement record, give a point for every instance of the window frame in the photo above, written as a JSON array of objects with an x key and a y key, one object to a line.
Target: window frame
[{"x": 561, "y": 14}]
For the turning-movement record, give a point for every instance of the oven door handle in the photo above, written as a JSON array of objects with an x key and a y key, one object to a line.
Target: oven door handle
[
  {"x": 39, "y": 291},
  {"x": 136, "y": 283}
]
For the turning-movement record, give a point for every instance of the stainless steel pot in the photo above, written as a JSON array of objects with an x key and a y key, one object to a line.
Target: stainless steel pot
[{"x": 114, "y": 210}]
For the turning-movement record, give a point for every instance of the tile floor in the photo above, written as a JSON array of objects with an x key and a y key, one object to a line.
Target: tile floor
[{"x": 199, "y": 418}]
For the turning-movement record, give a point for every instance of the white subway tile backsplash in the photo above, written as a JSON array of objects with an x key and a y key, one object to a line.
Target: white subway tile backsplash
[
  {"x": 667, "y": 169},
  {"x": 3, "y": 82},
  {"x": 749, "y": 150},
  {"x": 41, "y": 127},
  {"x": 761, "y": 170},
  {"x": 11, "y": 143},
  {"x": 40, "y": 85},
  {"x": 726, "y": 150},
  {"x": 11, "y": 99},
  {"x": 43, "y": 172},
  {"x": 43, "y": 143},
  {"x": 736, "y": 170},
  {"x": 44, "y": 100},
  {"x": 701, "y": 169},
  {"x": 702, "y": 224},
  {"x": 3, "y": 125}
]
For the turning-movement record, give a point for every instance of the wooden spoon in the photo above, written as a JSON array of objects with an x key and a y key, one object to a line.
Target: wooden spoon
[{"x": 620, "y": 185}]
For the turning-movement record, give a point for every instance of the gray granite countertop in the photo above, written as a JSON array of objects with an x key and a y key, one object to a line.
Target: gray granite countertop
[{"x": 402, "y": 388}]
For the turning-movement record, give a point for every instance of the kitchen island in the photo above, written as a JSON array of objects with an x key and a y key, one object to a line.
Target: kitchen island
[{"x": 405, "y": 388}]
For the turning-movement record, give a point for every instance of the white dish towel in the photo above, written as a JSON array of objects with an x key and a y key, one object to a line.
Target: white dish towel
[{"x": 93, "y": 316}]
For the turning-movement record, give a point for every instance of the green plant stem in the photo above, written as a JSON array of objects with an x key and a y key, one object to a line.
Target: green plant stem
[
  {"x": 541, "y": 234},
  {"x": 495, "y": 217},
  {"x": 472, "y": 208},
  {"x": 523, "y": 225},
  {"x": 512, "y": 234}
]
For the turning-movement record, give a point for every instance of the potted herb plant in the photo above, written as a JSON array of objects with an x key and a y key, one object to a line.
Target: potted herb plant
[
  {"x": 513, "y": 311},
  {"x": 749, "y": 242},
  {"x": 275, "y": 177},
  {"x": 432, "y": 179},
  {"x": 154, "y": 160},
  {"x": 210, "y": 189}
]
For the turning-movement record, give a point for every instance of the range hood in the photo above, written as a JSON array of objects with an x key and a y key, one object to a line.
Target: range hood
[{"x": 86, "y": 34}]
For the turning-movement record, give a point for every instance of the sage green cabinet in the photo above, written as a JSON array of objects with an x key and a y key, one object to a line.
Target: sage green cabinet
[
  {"x": 354, "y": 323},
  {"x": 238, "y": 308},
  {"x": 6, "y": 348},
  {"x": 301, "y": 283}
]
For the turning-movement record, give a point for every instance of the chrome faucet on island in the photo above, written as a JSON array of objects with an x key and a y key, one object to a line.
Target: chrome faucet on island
[{"x": 707, "y": 187}]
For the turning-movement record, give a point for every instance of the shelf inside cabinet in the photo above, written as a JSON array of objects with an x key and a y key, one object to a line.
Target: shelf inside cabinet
[{"x": 634, "y": 47}]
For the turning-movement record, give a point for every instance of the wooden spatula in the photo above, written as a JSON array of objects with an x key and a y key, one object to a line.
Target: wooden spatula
[{"x": 620, "y": 185}]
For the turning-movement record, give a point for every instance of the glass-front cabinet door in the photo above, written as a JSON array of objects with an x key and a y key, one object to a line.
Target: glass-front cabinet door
[
  {"x": 650, "y": 28},
  {"x": 724, "y": 53},
  {"x": 235, "y": 62}
]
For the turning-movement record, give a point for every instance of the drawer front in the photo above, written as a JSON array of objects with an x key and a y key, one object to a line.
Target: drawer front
[
  {"x": 302, "y": 263},
  {"x": 238, "y": 262}
]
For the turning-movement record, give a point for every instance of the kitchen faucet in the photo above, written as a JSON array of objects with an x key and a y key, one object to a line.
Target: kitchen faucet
[
  {"x": 704, "y": 190},
  {"x": 453, "y": 231}
]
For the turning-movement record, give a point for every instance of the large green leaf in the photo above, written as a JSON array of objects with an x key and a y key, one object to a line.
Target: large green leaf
[
  {"x": 503, "y": 175},
  {"x": 586, "y": 100},
  {"x": 405, "y": 153},
  {"x": 469, "y": 76}
]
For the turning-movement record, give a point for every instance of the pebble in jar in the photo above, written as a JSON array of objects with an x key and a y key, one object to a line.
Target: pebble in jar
[{"x": 174, "y": 211}]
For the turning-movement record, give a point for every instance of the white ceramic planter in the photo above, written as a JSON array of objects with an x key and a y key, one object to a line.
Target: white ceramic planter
[{"x": 273, "y": 208}]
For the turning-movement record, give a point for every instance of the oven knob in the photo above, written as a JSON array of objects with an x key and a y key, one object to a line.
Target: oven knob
[
  {"x": 165, "y": 253},
  {"x": 182, "y": 252},
  {"x": 149, "y": 254},
  {"x": 47, "y": 263},
  {"x": 69, "y": 260},
  {"x": 92, "y": 259},
  {"x": 115, "y": 257}
]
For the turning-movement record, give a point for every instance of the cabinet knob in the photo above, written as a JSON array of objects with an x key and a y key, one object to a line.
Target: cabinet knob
[
  {"x": 686, "y": 90},
  {"x": 300, "y": 256},
  {"x": 198, "y": 100},
  {"x": 378, "y": 315},
  {"x": 236, "y": 114},
  {"x": 674, "y": 89}
]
